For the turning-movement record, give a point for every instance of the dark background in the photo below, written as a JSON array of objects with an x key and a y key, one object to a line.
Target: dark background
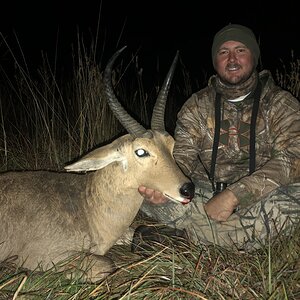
[{"x": 152, "y": 29}]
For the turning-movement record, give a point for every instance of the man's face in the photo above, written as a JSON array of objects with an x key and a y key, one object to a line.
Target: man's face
[{"x": 234, "y": 62}]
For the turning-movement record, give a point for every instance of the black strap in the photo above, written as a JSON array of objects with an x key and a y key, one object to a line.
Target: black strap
[
  {"x": 216, "y": 139},
  {"x": 256, "y": 96},
  {"x": 252, "y": 150}
]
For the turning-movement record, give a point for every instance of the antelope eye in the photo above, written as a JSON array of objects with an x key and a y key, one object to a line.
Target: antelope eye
[{"x": 141, "y": 153}]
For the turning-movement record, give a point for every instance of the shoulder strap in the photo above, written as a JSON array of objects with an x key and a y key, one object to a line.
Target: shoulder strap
[
  {"x": 252, "y": 151},
  {"x": 216, "y": 139}
]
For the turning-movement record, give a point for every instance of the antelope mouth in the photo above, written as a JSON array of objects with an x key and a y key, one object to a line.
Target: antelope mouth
[{"x": 182, "y": 201}]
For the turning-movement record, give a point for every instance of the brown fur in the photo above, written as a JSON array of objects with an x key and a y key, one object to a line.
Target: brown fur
[{"x": 47, "y": 216}]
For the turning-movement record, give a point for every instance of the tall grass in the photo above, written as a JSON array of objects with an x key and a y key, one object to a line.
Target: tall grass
[
  {"x": 45, "y": 123},
  {"x": 288, "y": 76}
]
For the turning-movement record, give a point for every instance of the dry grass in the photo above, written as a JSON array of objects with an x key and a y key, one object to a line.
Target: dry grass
[
  {"x": 183, "y": 271},
  {"x": 289, "y": 76},
  {"x": 45, "y": 124}
]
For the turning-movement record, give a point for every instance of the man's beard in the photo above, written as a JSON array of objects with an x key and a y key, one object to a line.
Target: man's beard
[
  {"x": 240, "y": 80},
  {"x": 232, "y": 91}
]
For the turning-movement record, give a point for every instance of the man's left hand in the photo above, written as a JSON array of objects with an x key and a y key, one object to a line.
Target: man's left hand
[{"x": 221, "y": 206}]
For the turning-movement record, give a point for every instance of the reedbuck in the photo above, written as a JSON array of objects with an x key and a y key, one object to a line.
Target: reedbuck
[{"x": 47, "y": 216}]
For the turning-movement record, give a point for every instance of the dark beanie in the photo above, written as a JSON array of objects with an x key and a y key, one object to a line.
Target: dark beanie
[{"x": 239, "y": 33}]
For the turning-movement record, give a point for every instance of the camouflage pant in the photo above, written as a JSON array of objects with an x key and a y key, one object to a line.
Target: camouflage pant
[{"x": 247, "y": 228}]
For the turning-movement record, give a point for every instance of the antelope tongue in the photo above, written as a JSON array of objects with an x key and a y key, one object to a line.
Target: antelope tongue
[{"x": 185, "y": 201}]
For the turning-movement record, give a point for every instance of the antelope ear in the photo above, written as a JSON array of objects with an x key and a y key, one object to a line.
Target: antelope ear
[{"x": 98, "y": 159}]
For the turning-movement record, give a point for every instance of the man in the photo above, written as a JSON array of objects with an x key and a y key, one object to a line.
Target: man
[{"x": 238, "y": 139}]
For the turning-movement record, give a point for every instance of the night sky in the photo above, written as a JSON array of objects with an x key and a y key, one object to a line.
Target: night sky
[{"x": 153, "y": 29}]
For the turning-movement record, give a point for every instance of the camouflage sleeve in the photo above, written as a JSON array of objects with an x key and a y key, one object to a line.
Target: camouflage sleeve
[
  {"x": 284, "y": 166},
  {"x": 188, "y": 137}
]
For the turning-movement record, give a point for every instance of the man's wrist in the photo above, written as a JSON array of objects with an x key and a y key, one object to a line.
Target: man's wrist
[
  {"x": 233, "y": 201},
  {"x": 241, "y": 193}
]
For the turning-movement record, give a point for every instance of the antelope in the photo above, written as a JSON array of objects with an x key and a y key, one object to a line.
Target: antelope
[{"x": 46, "y": 216}]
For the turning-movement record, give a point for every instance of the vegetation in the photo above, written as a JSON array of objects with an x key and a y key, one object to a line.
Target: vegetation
[
  {"x": 172, "y": 272},
  {"x": 289, "y": 76},
  {"x": 46, "y": 123}
]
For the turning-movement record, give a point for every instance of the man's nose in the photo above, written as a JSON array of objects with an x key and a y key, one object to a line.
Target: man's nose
[{"x": 232, "y": 56}]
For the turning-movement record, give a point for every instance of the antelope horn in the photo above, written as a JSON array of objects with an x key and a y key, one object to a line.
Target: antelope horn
[
  {"x": 158, "y": 115},
  {"x": 131, "y": 125}
]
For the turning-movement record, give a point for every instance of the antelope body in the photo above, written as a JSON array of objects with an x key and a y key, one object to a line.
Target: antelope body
[{"x": 47, "y": 216}]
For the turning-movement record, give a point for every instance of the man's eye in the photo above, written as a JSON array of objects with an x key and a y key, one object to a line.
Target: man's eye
[
  {"x": 241, "y": 50},
  {"x": 141, "y": 153},
  {"x": 222, "y": 52}
]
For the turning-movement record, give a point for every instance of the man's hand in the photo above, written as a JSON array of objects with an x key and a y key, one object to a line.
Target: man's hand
[
  {"x": 152, "y": 196},
  {"x": 221, "y": 206}
]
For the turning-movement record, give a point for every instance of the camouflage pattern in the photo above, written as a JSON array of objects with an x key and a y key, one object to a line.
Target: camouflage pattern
[
  {"x": 277, "y": 141},
  {"x": 270, "y": 197},
  {"x": 247, "y": 229}
]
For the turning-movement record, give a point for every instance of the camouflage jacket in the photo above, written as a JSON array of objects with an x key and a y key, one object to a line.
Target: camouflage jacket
[{"x": 277, "y": 140}]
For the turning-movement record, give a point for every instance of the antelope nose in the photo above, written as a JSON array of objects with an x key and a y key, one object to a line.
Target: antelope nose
[{"x": 188, "y": 190}]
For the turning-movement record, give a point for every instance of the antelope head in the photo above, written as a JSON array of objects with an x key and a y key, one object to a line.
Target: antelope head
[
  {"x": 134, "y": 128},
  {"x": 145, "y": 156}
]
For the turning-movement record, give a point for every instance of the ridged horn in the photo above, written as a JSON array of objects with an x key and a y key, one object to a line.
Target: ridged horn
[
  {"x": 130, "y": 124},
  {"x": 158, "y": 115}
]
